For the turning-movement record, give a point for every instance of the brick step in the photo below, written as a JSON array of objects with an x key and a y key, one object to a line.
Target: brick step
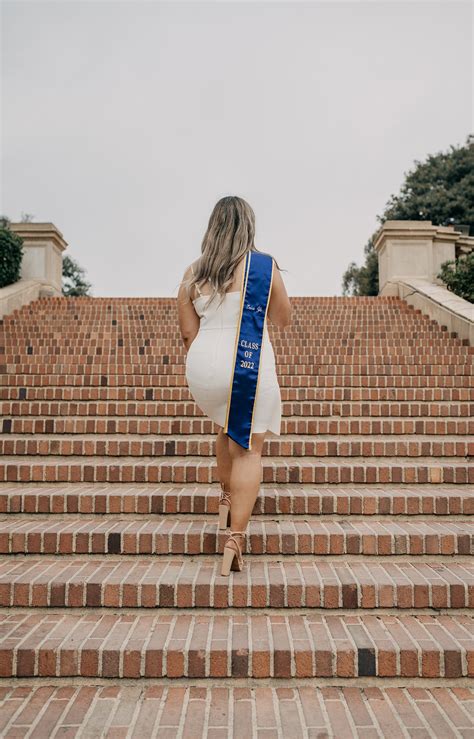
[
  {"x": 200, "y": 712},
  {"x": 359, "y": 332},
  {"x": 339, "y": 319},
  {"x": 377, "y": 312},
  {"x": 312, "y": 389},
  {"x": 151, "y": 383},
  {"x": 132, "y": 372},
  {"x": 346, "y": 400},
  {"x": 353, "y": 339},
  {"x": 127, "y": 312},
  {"x": 245, "y": 645},
  {"x": 139, "y": 309},
  {"x": 117, "y": 498},
  {"x": 174, "y": 583},
  {"x": 148, "y": 341},
  {"x": 375, "y": 315},
  {"x": 296, "y": 412},
  {"x": 170, "y": 536},
  {"x": 183, "y": 445},
  {"x": 332, "y": 470},
  {"x": 180, "y": 426},
  {"x": 294, "y": 362},
  {"x": 139, "y": 361},
  {"x": 334, "y": 338},
  {"x": 162, "y": 324}
]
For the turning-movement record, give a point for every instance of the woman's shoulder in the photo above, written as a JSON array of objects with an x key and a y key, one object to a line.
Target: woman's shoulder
[{"x": 194, "y": 266}]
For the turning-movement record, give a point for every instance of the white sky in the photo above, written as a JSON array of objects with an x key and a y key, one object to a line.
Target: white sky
[{"x": 124, "y": 122}]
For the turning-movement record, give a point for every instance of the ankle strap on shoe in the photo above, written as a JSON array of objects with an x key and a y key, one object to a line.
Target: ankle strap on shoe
[{"x": 224, "y": 497}]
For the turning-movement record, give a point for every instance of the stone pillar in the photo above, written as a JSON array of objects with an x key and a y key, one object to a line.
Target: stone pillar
[
  {"x": 413, "y": 249},
  {"x": 43, "y": 245}
]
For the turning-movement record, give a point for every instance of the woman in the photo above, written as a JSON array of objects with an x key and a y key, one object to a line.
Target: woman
[{"x": 209, "y": 300}]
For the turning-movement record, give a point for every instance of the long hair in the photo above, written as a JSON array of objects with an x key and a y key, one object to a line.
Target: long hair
[{"x": 229, "y": 236}]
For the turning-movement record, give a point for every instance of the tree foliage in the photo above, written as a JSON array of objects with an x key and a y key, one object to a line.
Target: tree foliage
[
  {"x": 458, "y": 276},
  {"x": 11, "y": 253},
  {"x": 74, "y": 282},
  {"x": 363, "y": 280},
  {"x": 440, "y": 190}
]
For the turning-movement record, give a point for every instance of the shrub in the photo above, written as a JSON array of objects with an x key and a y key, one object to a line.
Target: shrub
[
  {"x": 458, "y": 276},
  {"x": 11, "y": 254}
]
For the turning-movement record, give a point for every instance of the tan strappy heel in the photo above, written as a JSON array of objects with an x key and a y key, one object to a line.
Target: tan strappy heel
[
  {"x": 224, "y": 509},
  {"x": 232, "y": 557}
]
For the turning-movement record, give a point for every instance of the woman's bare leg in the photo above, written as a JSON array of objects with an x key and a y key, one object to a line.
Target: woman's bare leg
[
  {"x": 245, "y": 479},
  {"x": 223, "y": 459}
]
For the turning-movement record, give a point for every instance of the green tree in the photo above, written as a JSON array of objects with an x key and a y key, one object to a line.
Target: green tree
[
  {"x": 440, "y": 190},
  {"x": 11, "y": 253},
  {"x": 363, "y": 280},
  {"x": 458, "y": 276},
  {"x": 74, "y": 282}
]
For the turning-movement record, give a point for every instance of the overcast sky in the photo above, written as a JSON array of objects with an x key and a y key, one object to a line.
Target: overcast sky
[{"x": 124, "y": 122}]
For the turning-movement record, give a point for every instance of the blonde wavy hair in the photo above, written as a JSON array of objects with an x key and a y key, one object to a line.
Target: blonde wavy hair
[{"x": 229, "y": 236}]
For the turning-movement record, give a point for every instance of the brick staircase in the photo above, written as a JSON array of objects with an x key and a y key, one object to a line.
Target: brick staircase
[{"x": 353, "y": 615}]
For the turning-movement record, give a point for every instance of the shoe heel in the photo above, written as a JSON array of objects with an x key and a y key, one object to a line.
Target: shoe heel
[
  {"x": 227, "y": 559},
  {"x": 224, "y": 511}
]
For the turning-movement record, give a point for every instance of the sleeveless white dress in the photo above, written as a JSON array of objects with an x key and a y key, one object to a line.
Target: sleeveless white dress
[{"x": 209, "y": 364}]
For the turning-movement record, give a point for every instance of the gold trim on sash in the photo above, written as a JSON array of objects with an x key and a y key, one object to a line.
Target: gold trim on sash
[{"x": 245, "y": 273}]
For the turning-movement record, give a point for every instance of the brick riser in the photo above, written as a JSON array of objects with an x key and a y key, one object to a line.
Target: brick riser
[
  {"x": 117, "y": 498},
  {"x": 218, "y": 646},
  {"x": 319, "y": 398},
  {"x": 150, "y": 470},
  {"x": 177, "y": 583},
  {"x": 184, "y": 426},
  {"x": 286, "y": 447},
  {"x": 194, "y": 537}
]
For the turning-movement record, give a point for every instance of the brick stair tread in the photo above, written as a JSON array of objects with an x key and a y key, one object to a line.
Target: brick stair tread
[
  {"x": 316, "y": 470},
  {"x": 292, "y": 437},
  {"x": 287, "y": 460},
  {"x": 163, "y": 418},
  {"x": 219, "y": 711},
  {"x": 205, "y": 644},
  {"x": 407, "y": 370},
  {"x": 324, "y": 446},
  {"x": 167, "y": 536},
  {"x": 296, "y": 500},
  {"x": 139, "y": 381},
  {"x": 462, "y": 374},
  {"x": 381, "y": 351},
  {"x": 335, "y": 394},
  {"x": 174, "y": 583}
]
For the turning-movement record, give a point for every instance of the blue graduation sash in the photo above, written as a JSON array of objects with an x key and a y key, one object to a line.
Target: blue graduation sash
[{"x": 256, "y": 287}]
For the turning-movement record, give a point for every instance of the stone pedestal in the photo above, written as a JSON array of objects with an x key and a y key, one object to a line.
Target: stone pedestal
[
  {"x": 43, "y": 245},
  {"x": 413, "y": 249},
  {"x": 410, "y": 256}
]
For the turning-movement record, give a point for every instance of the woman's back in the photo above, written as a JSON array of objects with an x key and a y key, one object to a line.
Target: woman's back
[{"x": 209, "y": 361}]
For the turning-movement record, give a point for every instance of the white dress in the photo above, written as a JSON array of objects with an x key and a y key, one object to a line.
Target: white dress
[{"x": 209, "y": 365}]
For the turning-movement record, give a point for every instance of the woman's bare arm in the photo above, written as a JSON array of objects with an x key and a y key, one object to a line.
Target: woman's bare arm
[
  {"x": 279, "y": 307},
  {"x": 188, "y": 319}
]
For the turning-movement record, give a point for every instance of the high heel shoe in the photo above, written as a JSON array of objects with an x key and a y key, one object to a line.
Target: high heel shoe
[
  {"x": 224, "y": 509},
  {"x": 232, "y": 557}
]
